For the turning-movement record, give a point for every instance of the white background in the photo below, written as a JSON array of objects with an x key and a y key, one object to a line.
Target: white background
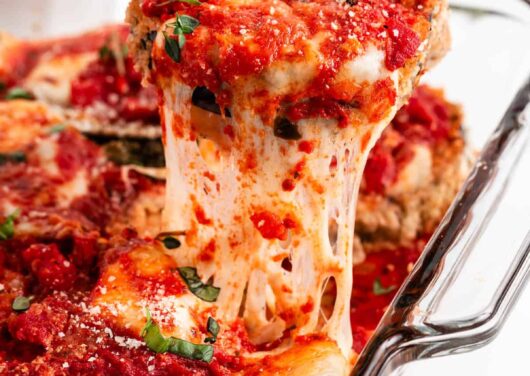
[{"x": 489, "y": 61}]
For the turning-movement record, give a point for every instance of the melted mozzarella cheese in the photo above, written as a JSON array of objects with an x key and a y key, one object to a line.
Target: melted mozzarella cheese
[
  {"x": 50, "y": 81},
  {"x": 76, "y": 187},
  {"x": 416, "y": 174},
  {"x": 119, "y": 298},
  {"x": 273, "y": 252},
  {"x": 245, "y": 265},
  {"x": 47, "y": 151},
  {"x": 368, "y": 67}
]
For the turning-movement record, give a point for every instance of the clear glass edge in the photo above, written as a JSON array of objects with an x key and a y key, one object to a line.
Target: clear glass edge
[{"x": 404, "y": 333}]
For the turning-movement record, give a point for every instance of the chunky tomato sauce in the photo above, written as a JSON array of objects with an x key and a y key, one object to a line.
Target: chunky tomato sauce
[
  {"x": 58, "y": 268},
  {"x": 427, "y": 119},
  {"x": 76, "y": 343},
  {"x": 106, "y": 81},
  {"x": 251, "y": 38},
  {"x": 376, "y": 281},
  {"x": 102, "y": 82},
  {"x": 26, "y": 55},
  {"x": 60, "y": 264},
  {"x": 270, "y": 225}
]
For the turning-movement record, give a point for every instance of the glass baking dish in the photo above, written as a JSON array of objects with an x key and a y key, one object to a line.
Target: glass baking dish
[
  {"x": 475, "y": 265},
  {"x": 472, "y": 270}
]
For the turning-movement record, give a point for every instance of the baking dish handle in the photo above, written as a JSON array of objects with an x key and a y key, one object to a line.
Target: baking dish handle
[{"x": 405, "y": 333}]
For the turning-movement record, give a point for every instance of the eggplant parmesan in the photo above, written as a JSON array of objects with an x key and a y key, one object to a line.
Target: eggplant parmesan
[
  {"x": 412, "y": 173},
  {"x": 102, "y": 257},
  {"x": 304, "y": 90},
  {"x": 244, "y": 262},
  {"x": 89, "y": 77}
]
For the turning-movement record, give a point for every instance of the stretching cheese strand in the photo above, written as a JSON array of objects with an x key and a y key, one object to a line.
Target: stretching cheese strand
[{"x": 248, "y": 267}]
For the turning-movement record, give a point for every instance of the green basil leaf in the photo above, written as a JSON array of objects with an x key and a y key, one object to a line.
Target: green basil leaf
[
  {"x": 213, "y": 328},
  {"x": 21, "y": 304},
  {"x": 18, "y": 93},
  {"x": 156, "y": 342},
  {"x": 181, "y": 40},
  {"x": 186, "y": 24},
  {"x": 2, "y": 85},
  {"x": 192, "y": 2},
  {"x": 105, "y": 53},
  {"x": 172, "y": 48},
  {"x": 171, "y": 242},
  {"x": 203, "y": 291},
  {"x": 7, "y": 229},
  {"x": 183, "y": 24},
  {"x": 57, "y": 128},
  {"x": 15, "y": 157},
  {"x": 379, "y": 289},
  {"x": 190, "y": 350}
]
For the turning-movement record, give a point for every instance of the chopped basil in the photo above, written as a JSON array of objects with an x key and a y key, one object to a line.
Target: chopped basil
[
  {"x": 186, "y": 24},
  {"x": 172, "y": 48},
  {"x": 151, "y": 36},
  {"x": 283, "y": 128},
  {"x": 183, "y": 25},
  {"x": 14, "y": 157},
  {"x": 105, "y": 53},
  {"x": 213, "y": 328},
  {"x": 379, "y": 289},
  {"x": 192, "y": 2},
  {"x": 205, "y": 99},
  {"x": 21, "y": 304},
  {"x": 169, "y": 239},
  {"x": 171, "y": 242},
  {"x": 7, "y": 229},
  {"x": 190, "y": 350},
  {"x": 57, "y": 128},
  {"x": 201, "y": 290},
  {"x": 156, "y": 342},
  {"x": 18, "y": 93}
]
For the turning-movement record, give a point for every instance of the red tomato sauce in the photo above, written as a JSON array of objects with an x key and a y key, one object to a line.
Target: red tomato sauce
[
  {"x": 318, "y": 108},
  {"x": 62, "y": 331},
  {"x": 269, "y": 225},
  {"x": 75, "y": 152},
  {"x": 368, "y": 22},
  {"x": 26, "y": 55},
  {"x": 389, "y": 268},
  {"x": 427, "y": 120},
  {"x": 123, "y": 92},
  {"x": 58, "y": 269},
  {"x": 306, "y": 147},
  {"x": 53, "y": 271},
  {"x": 55, "y": 328}
]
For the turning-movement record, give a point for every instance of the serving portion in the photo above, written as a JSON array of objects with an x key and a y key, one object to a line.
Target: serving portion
[
  {"x": 269, "y": 111},
  {"x": 308, "y": 87}
]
